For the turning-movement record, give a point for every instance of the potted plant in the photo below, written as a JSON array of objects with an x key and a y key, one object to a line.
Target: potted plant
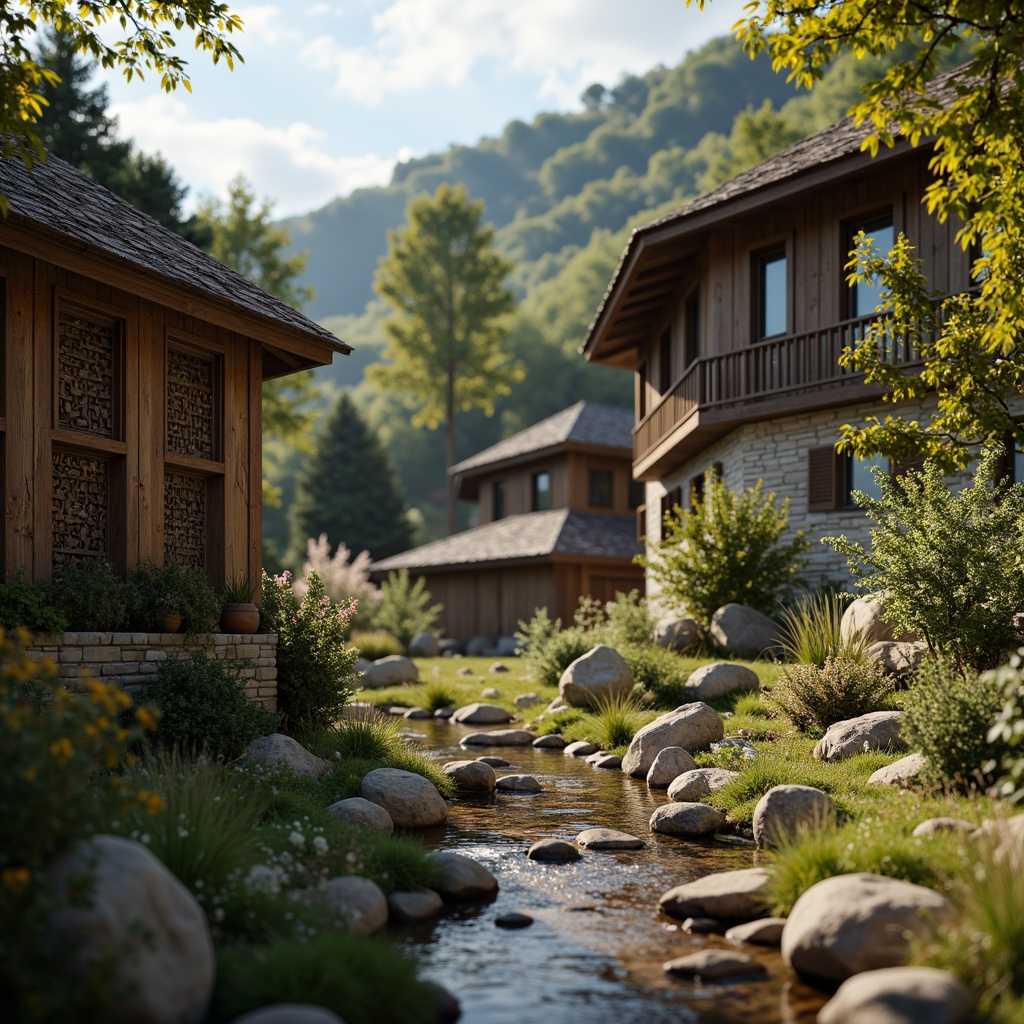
[
  {"x": 239, "y": 613},
  {"x": 154, "y": 603}
]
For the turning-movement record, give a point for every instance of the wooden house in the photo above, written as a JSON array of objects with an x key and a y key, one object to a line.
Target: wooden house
[
  {"x": 130, "y": 394},
  {"x": 556, "y": 510}
]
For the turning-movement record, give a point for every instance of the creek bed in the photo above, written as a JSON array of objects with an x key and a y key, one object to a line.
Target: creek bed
[{"x": 594, "y": 952}]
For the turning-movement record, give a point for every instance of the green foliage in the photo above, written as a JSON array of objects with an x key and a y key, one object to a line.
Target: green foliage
[
  {"x": 813, "y": 698},
  {"x": 314, "y": 667},
  {"x": 949, "y": 562},
  {"x": 1007, "y": 731},
  {"x": 660, "y": 672},
  {"x": 372, "y": 739},
  {"x": 438, "y": 695},
  {"x": 374, "y": 643},
  {"x": 27, "y": 605},
  {"x": 615, "y": 721},
  {"x": 405, "y": 608},
  {"x": 947, "y": 717},
  {"x": 203, "y": 707},
  {"x": 813, "y": 632},
  {"x": 156, "y": 591},
  {"x": 90, "y": 595},
  {"x": 627, "y": 622},
  {"x": 548, "y": 649},
  {"x": 727, "y": 547}
]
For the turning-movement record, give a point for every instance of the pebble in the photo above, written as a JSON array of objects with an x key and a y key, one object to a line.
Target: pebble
[
  {"x": 581, "y": 748},
  {"x": 444, "y": 713},
  {"x": 552, "y": 741},
  {"x": 513, "y": 919},
  {"x": 702, "y": 926},
  {"x": 553, "y": 851},
  {"x": 608, "y": 761}
]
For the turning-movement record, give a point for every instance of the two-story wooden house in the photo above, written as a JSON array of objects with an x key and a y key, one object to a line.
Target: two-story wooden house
[
  {"x": 556, "y": 509},
  {"x": 732, "y": 313}
]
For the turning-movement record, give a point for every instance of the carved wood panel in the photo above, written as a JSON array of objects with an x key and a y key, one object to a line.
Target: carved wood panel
[
  {"x": 192, "y": 403},
  {"x": 185, "y": 519},
  {"x": 81, "y": 507},
  {"x": 87, "y": 374}
]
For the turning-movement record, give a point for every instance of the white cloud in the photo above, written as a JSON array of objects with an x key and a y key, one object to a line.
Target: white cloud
[{"x": 289, "y": 165}]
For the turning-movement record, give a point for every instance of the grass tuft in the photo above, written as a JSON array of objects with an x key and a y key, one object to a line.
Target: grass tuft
[
  {"x": 813, "y": 634},
  {"x": 438, "y": 694}
]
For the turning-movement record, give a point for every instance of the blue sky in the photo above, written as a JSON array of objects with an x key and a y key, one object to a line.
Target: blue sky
[{"x": 331, "y": 94}]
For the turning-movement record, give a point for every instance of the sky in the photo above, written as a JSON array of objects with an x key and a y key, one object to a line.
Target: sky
[{"x": 333, "y": 94}]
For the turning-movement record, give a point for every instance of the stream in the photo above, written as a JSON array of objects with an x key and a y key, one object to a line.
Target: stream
[{"x": 595, "y": 949}]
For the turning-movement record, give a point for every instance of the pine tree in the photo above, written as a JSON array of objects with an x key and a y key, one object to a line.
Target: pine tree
[{"x": 348, "y": 489}]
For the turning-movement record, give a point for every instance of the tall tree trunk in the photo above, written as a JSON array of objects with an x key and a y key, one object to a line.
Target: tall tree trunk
[{"x": 449, "y": 445}]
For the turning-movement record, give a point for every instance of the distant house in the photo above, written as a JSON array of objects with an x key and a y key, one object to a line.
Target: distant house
[
  {"x": 130, "y": 415},
  {"x": 556, "y": 522}
]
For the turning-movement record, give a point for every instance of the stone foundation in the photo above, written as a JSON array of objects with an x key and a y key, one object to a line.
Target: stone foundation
[{"x": 131, "y": 659}]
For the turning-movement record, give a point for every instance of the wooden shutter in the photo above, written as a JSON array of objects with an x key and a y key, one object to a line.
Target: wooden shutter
[{"x": 824, "y": 479}]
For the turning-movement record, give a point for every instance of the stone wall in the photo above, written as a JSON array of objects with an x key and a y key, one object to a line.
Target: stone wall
[{"x": 131, "y": 659}]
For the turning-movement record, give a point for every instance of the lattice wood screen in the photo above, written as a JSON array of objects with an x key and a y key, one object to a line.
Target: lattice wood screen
[
  {"x": 87, "y": 360},
  {"x": 191, "y": 405},
  {"x": 185, "y": 519},
  {"x": 81, "y": 503}
]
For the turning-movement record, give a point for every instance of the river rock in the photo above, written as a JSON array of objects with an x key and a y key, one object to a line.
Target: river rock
[
  {"x": 446, "y": 1007},
  {"x": 685, "y": 820},
  {"x": 478, "y": 646},
  {"x": 552, "y": 741},
  {"x": 581, "y": 748},
  {"x": 280, "y": 751},
  {"x": 362, "y": 813},
  {"x": 526, "y": 700},
  {"x": 878, "y": 730},
  {"x": 608, "y": 839},
  {"x": 600, "y": 674},
  {"x": 518, "y": 784},
  {"x": 494, "y": 762},
  {"x": 462, "y": 878},
  {"x": 413, "y": 906},
  {"x": 725, "y": 896},
  {"x": 676, "y": 633},
  {"x": 669, "y": 763},
  {"x": 360, "y": 901},
  {"x": 851, "y": 923},
  {"x": 698, "y": 783},
  {"x": 498, "y": 738},
  {"x": 607, "y": 762},
  {"x": 167, "y": 979},
  {"x": 410, "y": 799},
  {"x": 393, "y": 670},
  {"x": 490, "y": 692},
  {"x": 507, "y": 646},
  {"x": 895, "y": 658},
  {"x": 720, "y": 679},
  {"x": 417, "y": 714},
  {"x": 702, "y": 926},
  {"x": 481, "y": 714},
  {"x": 743, "y": 632},
  {"x": 470, "y": 776},
  {"x": 692, "y": 727},
  {"x": 513, "y": 920},
  {"x": 289, "y": 1013},
  {"x": 443, "y": 713},
  {"x": 424, "y": 645},
  {"x": 498, "y": 667},
  {"x": 713, "y": 963},
  {"x": 766, "y": 931},
  {"x": 899, "y": 995},
  {"x": 932, "y": 826},
  {"x": 899, "y": 773},
  {"x": 784, "y": 811},
  {"x": 553, "y": 851},
  {"x": 866, "y": 617}
]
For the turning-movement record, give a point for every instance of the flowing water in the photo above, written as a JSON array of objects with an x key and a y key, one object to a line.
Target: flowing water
[{"x": 594, "y": 952}]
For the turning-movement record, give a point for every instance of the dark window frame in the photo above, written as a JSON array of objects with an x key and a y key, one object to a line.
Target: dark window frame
[
  {"x": 535, "y": 491},
  {"x": 591, "y": 492},
  {"x": 499, "y": 494},
  {"x": 762, "y": 259},
  {"x": 869, "y": 223}
]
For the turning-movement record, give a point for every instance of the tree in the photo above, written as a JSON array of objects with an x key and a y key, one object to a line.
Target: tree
[
  {"x": 347, "y": 489},
  {"x": 447, "y": 287},
  {"x": 975, "y": 116}
]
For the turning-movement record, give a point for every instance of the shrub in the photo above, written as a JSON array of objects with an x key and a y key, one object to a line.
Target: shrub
[
  {"x": 342, "y": 580},
  {"x": 948, "y": 562},
  {"x": 615, "y": 721},
  {"x": 1008, "y": 730},
  {"x": 371, "y": 739},
  {"x": 157, "y": 591},
  {"x": 656, "y": 669},
  {"x": 812, "y": 697},
  {"x": 374, "y": 643},
  {"x": 438, "y": 695},
  {"x": 947, "y": 718},
  {"x": 203, "y": 706},
  {"x": 728, "y": 547},
  {"x": 27, "y": 605},
  {"x": 314, "y": 667},
  {"x": 90, "y": 596},
  {"x": 549, "y": 650},
  {"x": 627, "y": 622},
  {"x": 403, "y": 610},
  {"x": 813, "y": 634}
]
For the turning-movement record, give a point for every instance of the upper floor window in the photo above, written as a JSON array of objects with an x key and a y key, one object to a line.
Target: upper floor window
[
  {"x": 772, "y": 304},
  {"x": 498, "y": 499},
  {"x": 636, "y": 493},
  {"x": 865, "y": 295},
  {"x": 541, "y": 491},
  {"x": 600, "y": 488}
]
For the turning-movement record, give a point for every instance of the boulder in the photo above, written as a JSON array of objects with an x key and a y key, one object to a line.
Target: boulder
[
  {"x": 417, "y": 905},
  {"x": 784, "y": 811},
  {"x": 477, "y": 646},
  {"x": 669, "y": 763},
  {"x": 553, "y": 851},
  {"x": 362, "y": 813},
  {"x": 932, "y": 826},
  {"x": 556, "y": 705},
  {"x": 878, "y": 730},
  {"x": 507, "y": 647},
  {"x": 608, "y": 839},
  {"x": 692, "y": 727},
  {"x": 280, "y": 751},
  {"x": 446, "y": 1007},
  {"x": 470, "y": 776},
  {"x": 450, "y": 647},
  {"x": 743, "y": 632},
  {"x": 686, "y": 820},
  {"x": 725, "y": 896},
  {"x": 698, "y": 783},
  {"x": 417, "y": 714},
  {"x": 866, "y": 617},
  {"x": 765, "y": 931},
  {"x": 581, "y": 748},
  {"x": 498, "y": 738},
  {"x": 552, "y": 741},
  {"x": 462, "y": 878},
  {"x": 498, "y": 667},
  {"x": 677, "y": 633},
  {"x": 862, "y": 922},
  {"x": 526, "y": 700},
  {"x": 714, "y": 963},
  {"x": 518, "y": 784},
  {"x": 897, "y": 658},
  {"x": 490, "y": 693},
  {"x": 600, "y": 674},
  {"x": 361, "y": 665},
  {"x": 165, "y": 979},
  {"x": 393, "y": 670},
  {"x": 720, "y": 679},
  {"x": 481, "y": 714},
  {"x": 289, "y": 1013},
  {"x": 899, "y": 773},
  {"x": 424, "y": 645},
  {"x": 360, "y": 901},
  {"x": 410, "y": 799},
  {"x": 899, "y": 995}
]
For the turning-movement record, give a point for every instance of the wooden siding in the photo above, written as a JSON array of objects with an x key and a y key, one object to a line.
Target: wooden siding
[
  {"x": 519, "y": 486},
  {"x": 580, "y": 465}
]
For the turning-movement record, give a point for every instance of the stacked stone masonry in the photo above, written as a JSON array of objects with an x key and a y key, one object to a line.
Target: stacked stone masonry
[{"x": 131, "y": 659}]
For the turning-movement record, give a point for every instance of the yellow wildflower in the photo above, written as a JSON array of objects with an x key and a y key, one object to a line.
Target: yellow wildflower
[
  {"x": 62, "y": 749},
  {"x": 17, "y": 878},
  {"x": 146, "y": 719}
]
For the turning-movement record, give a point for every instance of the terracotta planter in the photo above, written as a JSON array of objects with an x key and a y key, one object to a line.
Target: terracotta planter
[
  {"x": 171, "y": 623},
  {"x": 239, "y": 618}
]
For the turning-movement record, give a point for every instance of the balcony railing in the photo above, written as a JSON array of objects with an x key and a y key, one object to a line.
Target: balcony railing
[{"x": 772, "y": 369}]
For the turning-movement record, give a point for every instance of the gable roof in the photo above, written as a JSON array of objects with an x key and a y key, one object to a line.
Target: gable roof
[
  {"x": 96, "y": 223},
  {"x": 530, "y": 536}
]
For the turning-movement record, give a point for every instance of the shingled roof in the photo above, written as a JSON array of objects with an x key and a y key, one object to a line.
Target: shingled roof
[
  {"x": 532, "y": 535},
  {"x": 56, "y": 196}
]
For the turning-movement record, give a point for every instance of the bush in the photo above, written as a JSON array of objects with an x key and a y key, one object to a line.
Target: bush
[
  {"x": 438, "y": 695},
  {"x": 157, "y": 591},
  {"x": 812, "y": 697},
  {"x": 403, "y": 610},
  {"x": 203, "y": 707},
  {"x": 948, "y": 718},
  {"x": 90, "y": 595},
  {"x": 314, "y": 667},
  {"x": 27, "y": 605},
  {"x": 615, "y": 721},
  {"x": 341, "y": 580},
  {"x": 813, "y": 634},
  {"x": 549, "y": 650},
  {"x": 627, "y": 622},
  {"x": 948, "y": 562},
  {"x": 1008, "y": 730},
  {"x": 727, "y": 547},
  {"x": 374, "y": 643},
  {"x": 657, "y": 670}
]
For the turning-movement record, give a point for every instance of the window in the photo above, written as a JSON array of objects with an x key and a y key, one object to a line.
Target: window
[
  {"x": 636, "y": 493},
  {"x": 691, "y": 326},
  {"x": 670, "y": 502},
  {"x": 541, "y": 491},
  {"x": 641, "y": 522},
  {"x": 772, "y": 304},
  {"x": 696, "y": 490},
  {"x": 600, "y": 488},
  {"x": 498, "y": 499},
  {"x": 859, "y": 476},
  {"x": 865, "y": 295},
  {"x": 832, "y": 478}
]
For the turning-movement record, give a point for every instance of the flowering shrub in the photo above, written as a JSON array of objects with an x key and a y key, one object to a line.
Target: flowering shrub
[
  {"x": 341, "y": 579},
  {"x": 314, "y": 666}
]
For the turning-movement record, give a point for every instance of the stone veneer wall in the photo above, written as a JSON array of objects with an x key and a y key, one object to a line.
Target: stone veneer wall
[{"x": 131, "y": 659}]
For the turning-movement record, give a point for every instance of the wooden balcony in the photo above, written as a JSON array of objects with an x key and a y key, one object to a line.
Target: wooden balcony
[{"x": 776, "y": 377}]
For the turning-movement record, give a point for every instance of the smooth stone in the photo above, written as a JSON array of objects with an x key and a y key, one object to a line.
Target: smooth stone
[
  {"x": 713, "y": 963},
  {"x": 462, "y": 878},
  {"x": 410, "y": 799},
  {"x": 694, "y": 785},
  {"x": 481, "y": 714},
  {"x": 726, "y": 895},
  {"x": 498, "y": 667},
  {"x": 676, "y": 632},
  {"x": 743, "y": 632},
  {"x": 692, "y": 727},
  {"x": 599, "y": 675},
  {"x": 498, "y": 738},
  {"x": 684, "y": 820},
  {"x": 669, "y": 763},
  {"x": 490, "y": 692},
  {"x": 932, "y": 826},
  {"x": 507, "y": 646},
  {"x": 785, "y": 811},
  {"x": 581, "y": 748},
  {"x": 494, "y": 762},
  {"x": 767, "y": 931},
  {"x": 720, "y": 679},
  {"x": 607, "y": 762},
  {"x": 465, "y": 670},
  {"x": 417, "y": 714},
  {"x": 865, "y": 617},
  {"x": 553, "y": 851},
  {"x": 513, "y": 919},
  {"x": 702, "y": 926},
  {"x": 280, "y": 751},
  {"x": 476, "y": 646},
  {"x": 608, "y": 839},
  {"x": 526, "y": 700},
  {"x": 289, "y": 1013},
  {"x": 896, "y": 658},
  {"x": 424, "y": 645},
  {"x": 899, "y": 995},
  {"x": 393, "y": 670},
  {"x": 899, "y": 773},
  {"x": 360, "y": 901},
  {"x": 446, "y": 1007},
  {"x": 470, "y": 776},
  {"x": 518, "y": 784},
  {"x": 552, "y": 741},
  {"x": 443, "y": 713},
  {"x": 596, "y": 756},
  {"x": 877, "y": 730},
  {"x": 363, "y": 813},
  {"x": 416, "y": 905}
]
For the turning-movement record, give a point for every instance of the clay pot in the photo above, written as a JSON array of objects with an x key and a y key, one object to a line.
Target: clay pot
[
  {"x": 239, "y": 618},
  {"x": 171, "y": 623}
]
